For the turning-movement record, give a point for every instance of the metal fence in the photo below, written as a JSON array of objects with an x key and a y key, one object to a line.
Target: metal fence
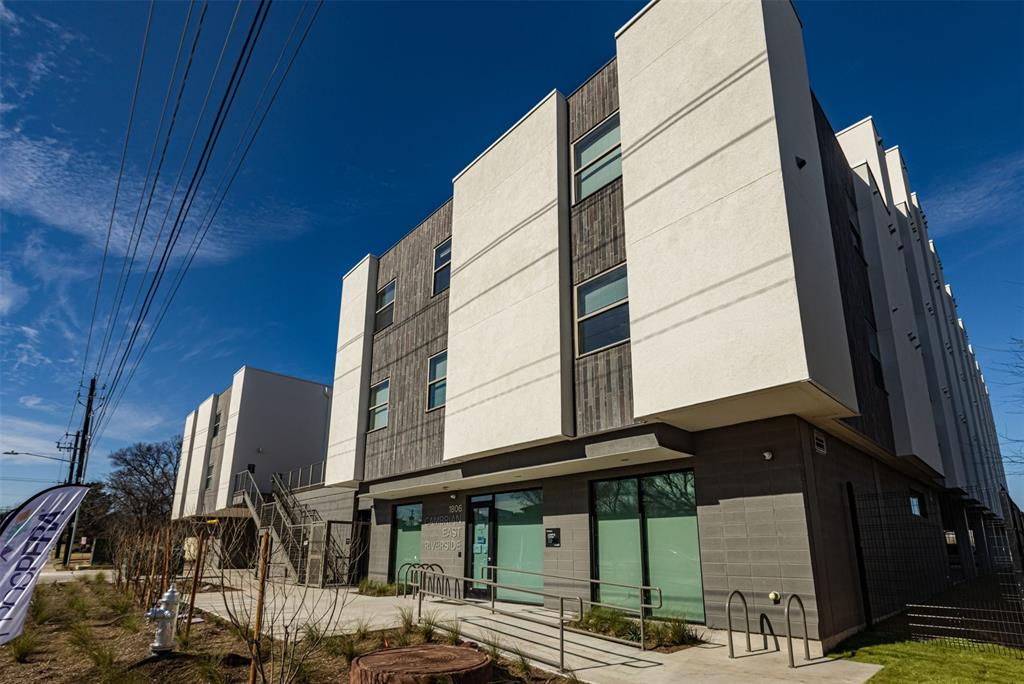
[
  {"x": 995, "y": 627},
  {"x": 309, "y": 475}
]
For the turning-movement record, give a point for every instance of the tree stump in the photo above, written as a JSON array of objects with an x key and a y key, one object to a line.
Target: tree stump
[{"x": 422, "y": 665}]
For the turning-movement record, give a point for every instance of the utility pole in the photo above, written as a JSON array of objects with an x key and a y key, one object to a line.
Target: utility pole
[
  {"x": 82, "y": 439},
  {"x": 73, "y": 449}
]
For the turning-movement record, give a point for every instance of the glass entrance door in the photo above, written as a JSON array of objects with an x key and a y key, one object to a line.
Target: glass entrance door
[{"x": 481, "y": 545}]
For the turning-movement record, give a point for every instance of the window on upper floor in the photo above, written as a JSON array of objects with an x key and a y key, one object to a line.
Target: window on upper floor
[
  {"x": 602, "y": 311},
  {"x": 858, "y": 243},
  {"x": 917, "y": 505},
  {"x": 209, "y": 476},
  {"x": 379, "y": 400},
  {"x": 216, "y": 424},
  {"x": 385, "y": 315},
  {"x": 876, "y": 355},
  {"x": 597, "y": 158},
  {"x": 437, "y": 380},
  {"x": 442, "y": 266}
]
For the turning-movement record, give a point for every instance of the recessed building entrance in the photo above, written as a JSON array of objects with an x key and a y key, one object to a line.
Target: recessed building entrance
[
  {"x": 406, "y": 535},
  {"x": 645, "y": 532},
  {"x": 506, "y": 530}
]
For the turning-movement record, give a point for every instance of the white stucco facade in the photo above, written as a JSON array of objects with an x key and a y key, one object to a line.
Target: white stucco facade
[
  {"x": 509, "y": 364},
  {"x": 348, "y": 419},
  {"x": 713, "y": 197}
]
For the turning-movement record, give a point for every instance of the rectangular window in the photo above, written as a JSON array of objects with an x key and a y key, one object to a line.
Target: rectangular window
[
  {"x": 917, "y": 506},
  {"x": 209, "y": 476},
  {"x": 876, "y": 355},
  {"x": 645, "y": 533},
  {"x": 385, "y": 315},
  {"x": 379, "y": 396},
  {"x": 602, "y": 311},
  {"x": 597, "y": 158},
  {"x": 216, "y": 424},
  {"x": 406, "y": 542},
  {"x": 442, "y": 266},
  {"x": 437, "y": 380}
]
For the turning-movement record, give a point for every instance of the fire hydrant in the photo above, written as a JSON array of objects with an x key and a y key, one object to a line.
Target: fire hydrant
[{"x": 165, "y": 617}]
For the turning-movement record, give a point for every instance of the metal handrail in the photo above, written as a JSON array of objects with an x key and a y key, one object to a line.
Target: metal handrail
[
  {"x": 746, "y": 620},
  {"x": 421, "y": 591},
  {"x": 307, "y": 475},
  {"x": 640, "y": 610},
  {"x": 789, "y": 630}
]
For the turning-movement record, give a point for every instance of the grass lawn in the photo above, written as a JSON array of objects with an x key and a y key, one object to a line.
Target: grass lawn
[{"x": 915, "y": 661}]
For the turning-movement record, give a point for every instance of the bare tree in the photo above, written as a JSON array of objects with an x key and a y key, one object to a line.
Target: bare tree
[
  {"x": 296, "y": 618},
  {"x": 141, "y": 485}
]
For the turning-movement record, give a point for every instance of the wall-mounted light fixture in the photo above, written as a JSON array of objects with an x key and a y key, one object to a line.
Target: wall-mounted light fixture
[{"x": 768, "y": 455}]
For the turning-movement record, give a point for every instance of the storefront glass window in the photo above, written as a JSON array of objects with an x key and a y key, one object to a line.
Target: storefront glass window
[
  {"x": 617, "y": 536},
  {"x": 520, "y": 541},
  {"x": 673, "y": 553}
]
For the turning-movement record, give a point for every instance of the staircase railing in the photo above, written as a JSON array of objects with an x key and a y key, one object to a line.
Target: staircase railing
[
  {"x": 312, "y": 528},
  {"x": 275, "y": 516}
]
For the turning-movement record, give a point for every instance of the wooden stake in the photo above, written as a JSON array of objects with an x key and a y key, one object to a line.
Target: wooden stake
[
  {"x": 151, "y": 576},
  {"x": 257, "y": 622},
  {"x": 197, "y": 573},
  {"x": 165, "y": 576}
]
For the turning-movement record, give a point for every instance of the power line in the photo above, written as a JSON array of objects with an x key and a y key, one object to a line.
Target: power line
[
  {"x": 234, "y": 82},
  {"x": 134, "y": 240},
  {"x": 209, "y": 218},
  {"x": 117, "y": 188}
]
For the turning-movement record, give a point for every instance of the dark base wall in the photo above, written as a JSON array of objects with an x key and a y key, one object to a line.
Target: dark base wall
[{"x": 765, "y": 524}]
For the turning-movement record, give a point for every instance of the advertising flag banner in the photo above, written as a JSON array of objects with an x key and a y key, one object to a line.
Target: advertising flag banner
[{"x": 27, "y": 536}]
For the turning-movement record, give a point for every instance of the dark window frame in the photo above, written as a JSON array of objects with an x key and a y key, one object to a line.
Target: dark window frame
[
  {"x": 431, "y": 383},
  {"x": 577, "y": 171},
  {"x": 593, "y": 314},
  {"x": 644, "y": 565},
  {"x": 371, "y": 407},
  {"x": 445, "y": 266},
  {"x": 393, "y": 283}
]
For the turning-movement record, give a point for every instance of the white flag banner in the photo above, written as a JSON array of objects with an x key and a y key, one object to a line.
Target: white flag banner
[{"x": 27, "y": 536}]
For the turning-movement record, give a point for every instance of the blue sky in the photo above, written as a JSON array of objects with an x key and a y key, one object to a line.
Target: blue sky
[{"x": 386, "y": 104}]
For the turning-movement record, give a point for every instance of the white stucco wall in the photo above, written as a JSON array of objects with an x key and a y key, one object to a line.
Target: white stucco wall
[
  {"x": 199, "y": 457},
  {"x": 183, "y": 466},
  {"x": 276, "y": 422},
  {"x": 345, "y": 450},
  {"x": 912, "y": 406},
  {"x": 509, "y": 358},
  {"x": 712, "y": 215}
]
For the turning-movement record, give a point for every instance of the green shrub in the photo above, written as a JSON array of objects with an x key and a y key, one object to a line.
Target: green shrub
[
  {"x": 39, "y": 607},
  {"x": 22, "y": 647},
  {"x": 407, "y": 620},
  {"x": 312, "y": 633},
  {"x": 428, "y": 626},
  {"x": 208, "y": 669},
  {"x": 343, "y": 646},
  {"x": 369, "y": 587},
  {"x": 362, "y": 629},
  {"x": 453, "y": 632}
]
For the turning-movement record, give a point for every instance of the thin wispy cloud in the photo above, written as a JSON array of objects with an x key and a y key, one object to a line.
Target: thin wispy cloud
[
  {"x": 36, "y": 403},
  {"x": 986, "y": 195},
  {"x": 12, "y": 294}
]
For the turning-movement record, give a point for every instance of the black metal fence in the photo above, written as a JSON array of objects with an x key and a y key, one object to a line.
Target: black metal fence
[{"x": 997, "y": 627}]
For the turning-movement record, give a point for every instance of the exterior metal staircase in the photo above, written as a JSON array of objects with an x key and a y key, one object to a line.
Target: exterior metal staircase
[{"x": 305, "y": 548}]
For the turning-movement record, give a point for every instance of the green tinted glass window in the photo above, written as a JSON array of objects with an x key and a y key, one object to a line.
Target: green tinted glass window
[
  {"x": 520, "y": 543},
  {"x": 617, "y": 536},
  {"x": 673, "y": 552},
  {"x": 408, "y": 525}
]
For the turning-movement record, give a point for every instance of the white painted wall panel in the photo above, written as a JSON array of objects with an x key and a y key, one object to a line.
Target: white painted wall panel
[
  {"x": 345, "y": 450},
  {"x": 509, "y": 376},
  {"x": 183, "y": 466},
  {"x": 714, "y": 306},
  {"x": 199, "y": 457}
]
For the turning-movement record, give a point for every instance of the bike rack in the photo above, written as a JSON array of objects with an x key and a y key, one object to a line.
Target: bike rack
[
  {"x": 789, "y": 630},
  {"x": 746, "y": 621}
]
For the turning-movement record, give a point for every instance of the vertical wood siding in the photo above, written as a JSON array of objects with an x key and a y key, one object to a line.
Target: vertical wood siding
[
  {"x": 603, "y": 381},
  {"x": 413, "y": 439}
]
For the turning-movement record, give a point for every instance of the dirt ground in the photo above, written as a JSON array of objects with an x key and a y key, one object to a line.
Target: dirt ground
[{"x": 87, "y": 631}]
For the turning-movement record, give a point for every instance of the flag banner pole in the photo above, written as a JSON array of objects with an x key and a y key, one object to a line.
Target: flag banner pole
[{"x": 27, "y": 536}]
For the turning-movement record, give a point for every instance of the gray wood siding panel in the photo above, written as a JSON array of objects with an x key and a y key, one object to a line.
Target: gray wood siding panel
[
  {"x": 604, "y": 390},
  {"x": 414, "y": 438},
  {"x": 598, "y": 233},
  {"x": 603, "y": 381},
  {"x": 594, "y": 101}
]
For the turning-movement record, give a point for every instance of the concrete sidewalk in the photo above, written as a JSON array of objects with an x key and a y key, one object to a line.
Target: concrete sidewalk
[{"x": 592, "y": 659}]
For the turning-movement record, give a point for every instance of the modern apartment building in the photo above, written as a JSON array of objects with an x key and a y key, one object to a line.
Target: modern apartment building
[
  {"x": 673, "y": 330},
  {"x": 263, "y": 423}
]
